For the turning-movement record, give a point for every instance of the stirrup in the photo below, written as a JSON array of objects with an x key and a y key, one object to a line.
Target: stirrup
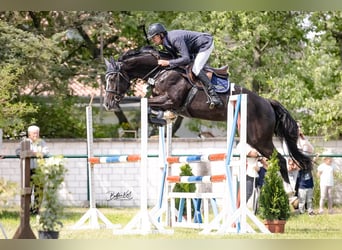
[{"x": 213, "y": 104}]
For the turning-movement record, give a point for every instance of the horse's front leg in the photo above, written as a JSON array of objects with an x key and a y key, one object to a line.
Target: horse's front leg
[{"x": 161, "y": 102}]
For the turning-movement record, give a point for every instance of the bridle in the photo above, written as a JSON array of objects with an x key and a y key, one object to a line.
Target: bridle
[{"x": 112, "y": 73}]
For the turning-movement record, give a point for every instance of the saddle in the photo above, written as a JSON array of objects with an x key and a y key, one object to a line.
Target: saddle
[
  {"x": 218, "y": 76},
  {"x": 221, "y": 72}
]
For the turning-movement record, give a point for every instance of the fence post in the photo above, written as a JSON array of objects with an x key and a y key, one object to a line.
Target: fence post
[{"x": 24, "y": 231}]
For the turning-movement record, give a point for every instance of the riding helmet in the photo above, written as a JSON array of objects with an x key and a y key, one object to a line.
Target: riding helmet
[{"x": 155, "y": 29}]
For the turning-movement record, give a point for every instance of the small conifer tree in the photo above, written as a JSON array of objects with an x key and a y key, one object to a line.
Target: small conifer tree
[
  {"x": 273, "y": 200},
  {"x": 184, "y": 187}
]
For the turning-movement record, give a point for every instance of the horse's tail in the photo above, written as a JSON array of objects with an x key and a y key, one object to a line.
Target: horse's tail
[{"x": 286, "y": 128}]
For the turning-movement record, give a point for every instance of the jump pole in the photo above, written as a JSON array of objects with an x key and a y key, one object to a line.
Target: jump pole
[
  {"x": 164, "y": 152},
  {"x": 159, "y": 209},
  {"x": 144, "y": 222},
  {"x": 226, "y": 212},
  {"x": 93, "y": 214},
  {"x": 243, "y": 211},
  {"x": 240, "y": 214}
]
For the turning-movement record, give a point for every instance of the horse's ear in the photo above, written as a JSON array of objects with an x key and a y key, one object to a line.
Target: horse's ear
[
  {"x": 107, "y": 63},
  {"x": 112, "y": 60}
]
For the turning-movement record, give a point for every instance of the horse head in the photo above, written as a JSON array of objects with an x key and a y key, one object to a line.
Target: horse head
[
  {"x": 140, "y": 63},
  {"x": 117, "y": 84}
]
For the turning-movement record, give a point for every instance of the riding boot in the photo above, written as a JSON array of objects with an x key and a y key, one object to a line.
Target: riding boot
[{"x": 214, "y": 98}]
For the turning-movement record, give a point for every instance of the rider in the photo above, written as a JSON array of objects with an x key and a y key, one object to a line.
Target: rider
[{"x": 186, "y": 44}]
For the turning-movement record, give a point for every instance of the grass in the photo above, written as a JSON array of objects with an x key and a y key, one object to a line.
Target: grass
[{"x": 326, "y": 226}]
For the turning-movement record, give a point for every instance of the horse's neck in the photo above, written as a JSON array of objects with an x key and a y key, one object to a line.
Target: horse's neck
[
  {"x": 139, "y": 66},
  {"x": 143, "y": 63}
]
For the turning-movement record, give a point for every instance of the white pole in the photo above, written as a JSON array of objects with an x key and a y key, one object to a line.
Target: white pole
[
  {"x": 143, "y": 170},
  {"x": 90, "y": 142},
  {"x": 93, "y": 213},
  {"x": 243, "y": 160},
  {"x": 142, "y": 223},
  {"x": 169, "y": 206},
  {"x": 229, "y": 140}
]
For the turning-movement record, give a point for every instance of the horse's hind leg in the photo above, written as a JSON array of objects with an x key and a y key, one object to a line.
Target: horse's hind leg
[
  {"x": 283, "y": 168},
  {"x": 266, "y": 148}
]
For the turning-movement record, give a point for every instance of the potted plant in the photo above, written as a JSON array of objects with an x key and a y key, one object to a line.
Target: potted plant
[
  {"x": 273, "y": 200},
  {"x": 49, "y": 174}
]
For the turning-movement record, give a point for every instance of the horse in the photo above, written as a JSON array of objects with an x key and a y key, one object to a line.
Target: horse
[{"x": 171, "y": 89}]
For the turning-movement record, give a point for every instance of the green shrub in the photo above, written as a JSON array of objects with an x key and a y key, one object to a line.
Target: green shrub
[
  {"x": 7, "y": 190},
  {"x": 184, "y": 187},
  {"x": 273, "y": 200},
  {"x": 50, "y": 174}
]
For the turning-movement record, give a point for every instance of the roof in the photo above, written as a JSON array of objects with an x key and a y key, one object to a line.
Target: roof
[{"x": 80, "y": 89}]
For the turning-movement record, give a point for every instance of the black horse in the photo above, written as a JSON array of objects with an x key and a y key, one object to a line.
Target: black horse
[{"x": 172, "y": 89}]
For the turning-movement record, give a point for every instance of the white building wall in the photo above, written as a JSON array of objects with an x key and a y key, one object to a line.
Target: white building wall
[{"x": 124, "y": 178}]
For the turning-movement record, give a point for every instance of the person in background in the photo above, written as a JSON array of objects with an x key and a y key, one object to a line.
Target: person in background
[
  {"x": 292, "y": 189},
  {"x": 263, "y": 165},
  {"x": 305, "y": 183},
  {"x": 252, "y": 169},
  {"x": 305, "y": 192},
  {"x": 40, "y": 149},
  {"x": 325, "y": 173},
  {"x": 262, "y": 172},
  {"x": 303, "y": 143},
  {"x": 185, "y": 46}
]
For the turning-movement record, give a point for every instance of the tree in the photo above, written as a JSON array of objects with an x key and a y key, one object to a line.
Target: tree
[
  {"x": 274, "y": 202},
  {"x": 325, "y": 60},
  {"x": 258, "y": 46},
  {"x": 39, "y": 60},
  {"x": 23, "y": 60},
  {"x": 80, "y": 37},
  {"x": 273, "y": 53},
  {"x": 11, "y": 113}
]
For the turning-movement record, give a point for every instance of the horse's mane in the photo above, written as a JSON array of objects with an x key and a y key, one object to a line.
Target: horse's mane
[
  {"x": 148, "y": 49},
  {"x": 143, "y": 50}
]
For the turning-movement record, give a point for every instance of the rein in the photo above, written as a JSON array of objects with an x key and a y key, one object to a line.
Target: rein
[
  {"x": 149, "y": 73},
  {"x": 116, "y": 70}
]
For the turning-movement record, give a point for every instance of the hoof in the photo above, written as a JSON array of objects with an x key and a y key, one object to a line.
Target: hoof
[{"x": 157, "y": 121}]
